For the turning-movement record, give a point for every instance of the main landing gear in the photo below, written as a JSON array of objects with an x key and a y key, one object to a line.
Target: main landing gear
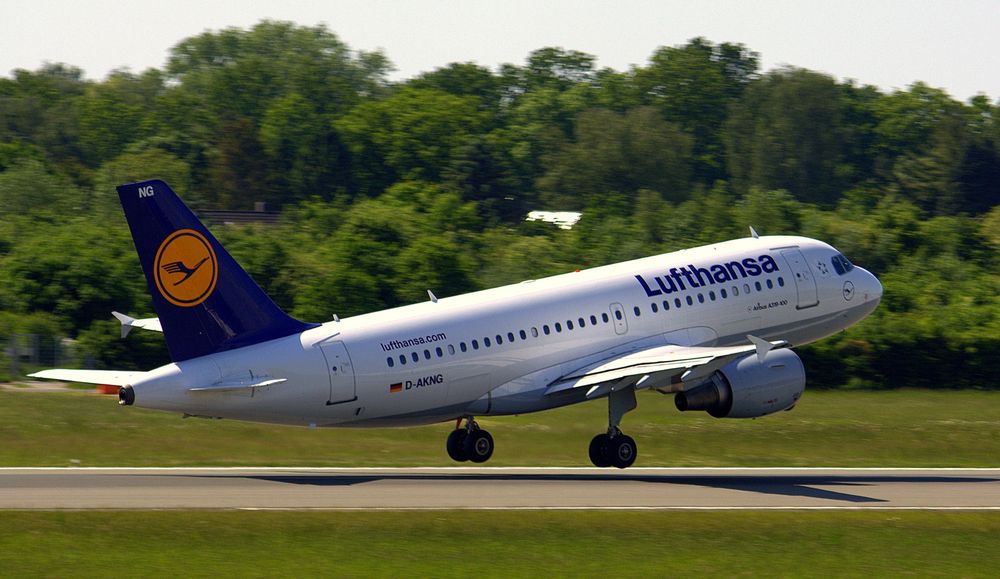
[
  {"x": 614, "y": 448},
  {"x": 469, "y": 442}
]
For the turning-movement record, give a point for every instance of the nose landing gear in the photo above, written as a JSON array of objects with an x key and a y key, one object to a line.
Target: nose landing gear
[{"x": 469, "y": 443}]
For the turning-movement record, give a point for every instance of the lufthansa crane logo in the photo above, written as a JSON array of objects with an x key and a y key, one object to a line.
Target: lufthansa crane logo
[{"x": 185, "y": 268}]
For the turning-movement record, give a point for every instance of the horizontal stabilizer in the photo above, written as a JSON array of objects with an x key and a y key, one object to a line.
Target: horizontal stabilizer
[{"x": 109, "y": 377}]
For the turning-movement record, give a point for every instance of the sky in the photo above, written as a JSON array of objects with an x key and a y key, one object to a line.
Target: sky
[{"x": 890, "y": 44}]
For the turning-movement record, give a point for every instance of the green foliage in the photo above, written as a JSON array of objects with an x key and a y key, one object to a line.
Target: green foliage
[
  {"x": 390, "y": 189},
  {"x": 414, "y": 133},
  {"x": 618, "y": 153}
]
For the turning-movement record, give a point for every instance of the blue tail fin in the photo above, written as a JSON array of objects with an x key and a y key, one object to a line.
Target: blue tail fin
[{"x": 206, "y": 302}]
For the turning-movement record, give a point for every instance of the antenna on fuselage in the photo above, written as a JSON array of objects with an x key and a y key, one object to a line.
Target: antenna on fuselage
[
  {"x": 431, "y": 295},
  {"x": 753, "y": 233}
]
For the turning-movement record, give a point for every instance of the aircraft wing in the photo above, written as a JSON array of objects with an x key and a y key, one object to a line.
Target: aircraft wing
[
  {"x": 110, "y": 377},
  {"x": 128, "y": 322},
  {"x": 657, "y": 367}
]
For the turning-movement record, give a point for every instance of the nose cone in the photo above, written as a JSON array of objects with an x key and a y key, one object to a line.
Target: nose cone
[{"x": 872, "y": 288}]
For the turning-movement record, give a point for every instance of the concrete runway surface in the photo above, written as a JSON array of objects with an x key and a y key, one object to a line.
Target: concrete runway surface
[{"x": 498, "y": 488}]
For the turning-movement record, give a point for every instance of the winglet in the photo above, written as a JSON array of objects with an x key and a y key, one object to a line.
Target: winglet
[
  {"x": 762, "y": 345},
  {"x": 126, "y": 322}
]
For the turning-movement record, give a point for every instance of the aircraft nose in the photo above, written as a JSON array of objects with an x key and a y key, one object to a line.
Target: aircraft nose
[{"x": 873, "y": 288}]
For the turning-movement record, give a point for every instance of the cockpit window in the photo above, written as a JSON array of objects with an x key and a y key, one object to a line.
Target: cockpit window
[{"x": 841, "y": 264}]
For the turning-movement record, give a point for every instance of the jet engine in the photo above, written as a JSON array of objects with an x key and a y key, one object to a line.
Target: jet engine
[{"x": 748, "y": 388}]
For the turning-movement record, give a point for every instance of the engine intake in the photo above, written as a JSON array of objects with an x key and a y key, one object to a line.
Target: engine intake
[{"x": 748, "y": 388}]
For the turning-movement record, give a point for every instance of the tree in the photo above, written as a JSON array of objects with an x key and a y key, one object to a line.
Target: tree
[
  {"x": 413, "y": 134},
  {"x": 303, "y": 148},
  {"x": 115, "y": 112},
  {"x": 692, "y": 86},
  {"x": 787, "y": 133},
  {"x": 618, "y": 153},
  {"x": 28, "y": 189}
]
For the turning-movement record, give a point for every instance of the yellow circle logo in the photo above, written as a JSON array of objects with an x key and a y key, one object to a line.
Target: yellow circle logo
[{"x": 185, "y": 268}]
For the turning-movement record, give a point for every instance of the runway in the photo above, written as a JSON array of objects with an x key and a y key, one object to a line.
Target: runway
[{"x": 498, "y": 488}]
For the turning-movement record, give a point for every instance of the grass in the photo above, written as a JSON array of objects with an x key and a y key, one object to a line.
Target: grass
[
  {"x": 497, "y": 544},
  {"x": 835, "y": 428}
]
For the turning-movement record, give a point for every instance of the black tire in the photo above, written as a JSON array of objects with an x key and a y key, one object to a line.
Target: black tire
[
  {"x": 599, "y": 451},
  {"x": 622, "y": 451},
  {"x": 478, "y": 446},
  {"x": 456, "y": 445}
]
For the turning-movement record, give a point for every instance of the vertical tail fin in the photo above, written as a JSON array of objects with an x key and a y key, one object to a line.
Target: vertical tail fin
[{"x": 205, "y": 301}]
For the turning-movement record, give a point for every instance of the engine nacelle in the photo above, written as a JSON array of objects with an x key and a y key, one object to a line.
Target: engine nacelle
[{"x": 747, "y": 388}]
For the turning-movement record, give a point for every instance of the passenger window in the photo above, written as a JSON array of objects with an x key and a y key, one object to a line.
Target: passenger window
[
  {"x": 545, "y": 329},
  {"x": 427, "y": 354},
  {"x": 582, "y": 323},
  {"x": 677, "y": 302},
  {"x": 499, "y": 339},
  {"x": 451, "y": 349},
  {"x": 605, "y": 317},
  {"x": 402, "y": 359},
  {"x": 475, "y": 345},
  {"x": 510, "y": 336},
  {"x": 736, "y": 290},
  {"x": 569, "y": 324},
  {"x": 593, "y": 320},
  {"x": 439, "y": 353},
  {"x": 690, "y": 301},
  {"x": 618, "y": 315},
  {"x": 722, "y": 293},
  {"x": 770, "y": 284},
  {"x": 463, "y": 347},
  {"x": 534, "y": 332},
  {"x": 756, "y": 285},
  {"x": 390, "y": 361},
  {"x": 415, "y": 357},
  {"x": 486, "y": 342},
  {"x": 523, "y": 334},
  {"x": 711, "y": 295},
  {"x": 781, "y": 281},
  {"x": 701, "y": 298},
  {"x": 666, "y": 305},
  {"x": 558, "y": 327},
  {"x": 746, "y": 288},
  {"x": 636, "y": 310},
  {"x": 654, "y": 307}
]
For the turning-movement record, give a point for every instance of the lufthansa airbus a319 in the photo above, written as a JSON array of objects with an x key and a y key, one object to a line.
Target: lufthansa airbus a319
[{"x": 714, "y": 326}]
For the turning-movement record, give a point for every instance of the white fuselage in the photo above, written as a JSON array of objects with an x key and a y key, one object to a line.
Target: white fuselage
[{"x": 496, "y": 351}]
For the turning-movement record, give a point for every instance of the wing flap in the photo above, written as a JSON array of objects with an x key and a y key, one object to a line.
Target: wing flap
[{"x": 109, "y": 377}]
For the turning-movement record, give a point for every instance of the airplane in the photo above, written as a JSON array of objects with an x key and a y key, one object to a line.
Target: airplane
[{"x": 714, "y": 326}]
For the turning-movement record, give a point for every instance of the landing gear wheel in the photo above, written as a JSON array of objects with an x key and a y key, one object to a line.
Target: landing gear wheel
[
  {"x": 621, "y": 451},
  {"x": 456, "y": 445},
  {"x": 478, "y": 446},
  {"x": 599, "y": 451}
]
